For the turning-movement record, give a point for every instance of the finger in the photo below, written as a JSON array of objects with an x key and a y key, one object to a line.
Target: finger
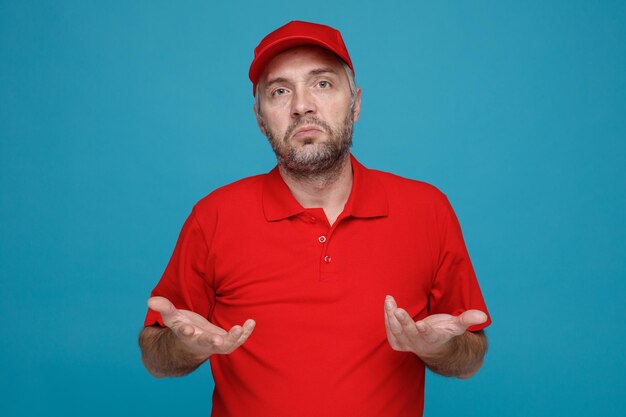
[
  {"x": 217, "y": 340},
  {"x": 394, "y": 324},
  {"x": 233, "y": 334},
  {"x": 391, "y": 338},
  {"x": 163, "y": 306},
  {"x": 471, "y": 318},
  {"x": 426, "y": 332},
  {"x": 210, "y": 342},
  {"x": 390, "y": 303},
  {"x": 407, "y": 323},
  {"x": 387, "y": 325},
  {"x": 248, "y": 327},
  {"x": 422, "y": 327},
  {"x": 229, "y": 340}
]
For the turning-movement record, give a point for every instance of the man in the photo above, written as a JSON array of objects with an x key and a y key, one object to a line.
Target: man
[{"x": 285, "y": 282}]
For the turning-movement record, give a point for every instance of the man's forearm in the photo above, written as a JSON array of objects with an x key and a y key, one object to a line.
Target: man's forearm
[
  {"x": 461, "y": 357},
  {"x": 162, "y": 354}
]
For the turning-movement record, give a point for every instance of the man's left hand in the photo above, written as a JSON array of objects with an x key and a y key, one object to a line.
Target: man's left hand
[{"x": 427, "y": 337}]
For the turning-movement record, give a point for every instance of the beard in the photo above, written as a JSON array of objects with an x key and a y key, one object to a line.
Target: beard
[{"x": 313, "y": 160}]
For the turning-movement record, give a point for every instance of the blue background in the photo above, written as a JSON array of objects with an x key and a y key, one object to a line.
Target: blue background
[{"x": 117, "y": 116}]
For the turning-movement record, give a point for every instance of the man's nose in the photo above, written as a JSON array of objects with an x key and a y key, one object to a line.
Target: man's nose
[{"x": 302, "y": 103}]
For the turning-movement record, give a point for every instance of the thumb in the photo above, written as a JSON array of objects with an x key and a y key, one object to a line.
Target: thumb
[
  {"x": 161, "y": 305},
  {"x": 472, "y": 317}
]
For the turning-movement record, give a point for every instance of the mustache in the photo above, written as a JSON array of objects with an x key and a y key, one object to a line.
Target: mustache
[{"x": 311, "y": 120}]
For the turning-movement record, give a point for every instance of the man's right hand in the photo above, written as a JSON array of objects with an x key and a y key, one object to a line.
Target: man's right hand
[{"x": 196, "y": 334}]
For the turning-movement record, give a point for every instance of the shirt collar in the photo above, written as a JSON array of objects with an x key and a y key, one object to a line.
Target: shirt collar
[{"x": 368, "y": 197}]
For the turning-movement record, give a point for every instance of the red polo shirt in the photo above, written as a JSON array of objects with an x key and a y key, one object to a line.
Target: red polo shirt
[{"x": 250, "y": 250}]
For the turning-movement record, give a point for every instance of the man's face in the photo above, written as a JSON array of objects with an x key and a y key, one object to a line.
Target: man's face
[{"x": 306, "y": 111}]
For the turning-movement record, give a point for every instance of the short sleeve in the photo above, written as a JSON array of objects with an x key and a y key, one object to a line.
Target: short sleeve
[
  {"x": 455, "y": 287},
  {"x": 186, "y": 281}
]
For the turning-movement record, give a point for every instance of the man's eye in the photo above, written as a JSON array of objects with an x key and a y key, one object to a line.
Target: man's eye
[
  {"x": 279, "y": 92},
  {"x": 323, "y": 84}
]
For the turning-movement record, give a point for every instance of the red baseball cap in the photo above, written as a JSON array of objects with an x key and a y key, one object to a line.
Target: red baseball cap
[{"x": 296, "y": 33}]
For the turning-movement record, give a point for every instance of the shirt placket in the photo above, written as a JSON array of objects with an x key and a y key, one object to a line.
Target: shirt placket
[{"x": 323, "y": 234}]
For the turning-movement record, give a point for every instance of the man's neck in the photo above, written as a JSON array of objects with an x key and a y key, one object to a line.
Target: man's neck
[{"x": 329, "y": 191}]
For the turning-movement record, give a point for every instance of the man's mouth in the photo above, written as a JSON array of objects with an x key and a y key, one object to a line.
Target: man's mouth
[{"x": 305, "y": 131}]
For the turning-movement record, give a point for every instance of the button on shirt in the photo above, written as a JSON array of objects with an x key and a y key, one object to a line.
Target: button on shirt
[{"x": 250, "y": 250}]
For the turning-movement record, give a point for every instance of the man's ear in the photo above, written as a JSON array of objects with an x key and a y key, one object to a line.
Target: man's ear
[
  {"x": 259, "y": 122},
  {"x": 357, "y": 105}
]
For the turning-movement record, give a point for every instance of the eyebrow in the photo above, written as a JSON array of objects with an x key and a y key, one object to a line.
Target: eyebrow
[
  {"x": 316, "y": 71},
  {"x": 322, "y": 71}
]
